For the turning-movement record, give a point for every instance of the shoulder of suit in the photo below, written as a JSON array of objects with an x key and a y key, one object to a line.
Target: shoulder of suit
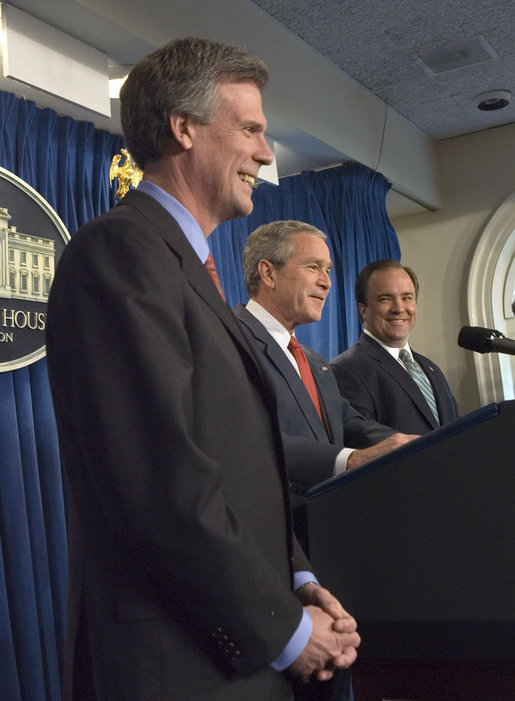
[
  {"x": 314, "y": 356},
  {"x": 423, "y": 360},
  {"x": 241, "y": 311},
  {"x": 248, "y": 319},
  {"x": 145, "y": 204},
  {"x": 252, "y": 327},
  {"x": 360, "y": 350}
]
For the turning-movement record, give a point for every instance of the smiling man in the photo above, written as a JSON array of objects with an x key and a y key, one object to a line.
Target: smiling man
[
  {"x": 287, "y": 267},
  {"x": 185, "y": 580},
  {"x": 380, "y": 375}
]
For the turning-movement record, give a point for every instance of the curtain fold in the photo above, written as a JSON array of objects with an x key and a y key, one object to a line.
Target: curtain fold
[
  {"x": 67, "y": 163},
  {"x": 348, "y": 203}
]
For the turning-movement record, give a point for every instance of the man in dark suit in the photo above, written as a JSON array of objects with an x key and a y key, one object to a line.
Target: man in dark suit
[
  {"x": 413, "y": 397},
  {"x": 185, "y": 581},
  {"x": 287, "y": 266}
]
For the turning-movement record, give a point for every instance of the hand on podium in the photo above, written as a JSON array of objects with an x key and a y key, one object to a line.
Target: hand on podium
[{"x": 361, "y": 456}]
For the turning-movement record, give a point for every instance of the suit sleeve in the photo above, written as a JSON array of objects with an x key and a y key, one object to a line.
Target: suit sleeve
[
  {"x": 308, "y": 461},
  {"x": 354, "y": 390},
  {"x": 360, "y": 432}
]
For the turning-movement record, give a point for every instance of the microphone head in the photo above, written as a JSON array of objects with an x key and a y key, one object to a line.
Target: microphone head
[{"x": 476, "y": 338}]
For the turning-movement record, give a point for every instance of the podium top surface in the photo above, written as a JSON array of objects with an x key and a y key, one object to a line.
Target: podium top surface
[{"x": 463, "y": 423}]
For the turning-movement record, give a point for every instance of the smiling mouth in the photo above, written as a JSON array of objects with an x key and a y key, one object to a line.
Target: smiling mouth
[{"x": 249, "y": 179}]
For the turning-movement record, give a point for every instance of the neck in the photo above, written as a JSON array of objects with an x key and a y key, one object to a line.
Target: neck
[
  {"x": 276, "y": 313},
  {"x": 170, "y": 178}
]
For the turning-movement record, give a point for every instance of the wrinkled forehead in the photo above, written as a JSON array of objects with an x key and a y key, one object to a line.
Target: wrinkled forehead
[{"x": 309, "y": 245}]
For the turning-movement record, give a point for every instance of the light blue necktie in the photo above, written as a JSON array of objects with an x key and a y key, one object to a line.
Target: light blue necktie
[{"x": 420, "y": 378}]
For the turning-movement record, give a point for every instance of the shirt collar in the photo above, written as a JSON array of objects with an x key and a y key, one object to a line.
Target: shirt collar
[
  {"x": 189, "y": 225},
  {"x": 278, "y": 332},
  {"x": 394, "y": 352}
]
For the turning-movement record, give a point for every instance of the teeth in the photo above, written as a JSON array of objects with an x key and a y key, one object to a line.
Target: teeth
[{"x": 247, "y": 179}]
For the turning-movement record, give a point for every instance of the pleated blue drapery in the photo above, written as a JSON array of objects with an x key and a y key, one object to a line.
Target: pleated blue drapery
[
  {"x": 348, "y": 204},
  {"x": 67, "y": 162}
]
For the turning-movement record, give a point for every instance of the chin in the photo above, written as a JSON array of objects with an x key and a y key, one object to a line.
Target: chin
[{"x": 244, "y": 209}]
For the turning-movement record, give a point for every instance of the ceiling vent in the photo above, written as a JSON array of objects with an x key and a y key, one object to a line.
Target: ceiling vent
[{"x": 457, "y": 55}]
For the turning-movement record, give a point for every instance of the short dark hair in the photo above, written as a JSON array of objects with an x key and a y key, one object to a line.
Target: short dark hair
[
  {"x": 272, "y": 242},
  {"x": 360, "y": 288},
  {"x": 181, "y": 77}
]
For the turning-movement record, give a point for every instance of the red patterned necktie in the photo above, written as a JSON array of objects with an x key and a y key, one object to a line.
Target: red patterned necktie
[
  {"x": 211, "y": 269},
  {"x": 305, "y": 372}
]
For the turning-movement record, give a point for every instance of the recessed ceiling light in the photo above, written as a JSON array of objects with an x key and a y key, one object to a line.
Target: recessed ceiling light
[
  {"x": 493, "y": 100},
  {"x": 457, "y": 55}
]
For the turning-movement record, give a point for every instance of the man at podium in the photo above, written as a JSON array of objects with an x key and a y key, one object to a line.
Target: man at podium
[
  {"x": 287, "y": 266},
  {"x": 380, "y": 375}
]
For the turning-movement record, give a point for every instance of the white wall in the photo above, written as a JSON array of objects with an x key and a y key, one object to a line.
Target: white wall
[{"x": 477, "y": 175}]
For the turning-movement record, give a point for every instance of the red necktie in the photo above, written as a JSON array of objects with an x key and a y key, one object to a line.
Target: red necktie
[
  {"x": 305, "y": 372},
  {"x": 211, "y": 269}
]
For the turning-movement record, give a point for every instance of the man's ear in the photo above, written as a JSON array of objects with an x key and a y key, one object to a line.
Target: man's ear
[
  {"x": 180, "y": 127},
  {"x": 362, "y": 311},
  {"x": 267, "y": 273}
]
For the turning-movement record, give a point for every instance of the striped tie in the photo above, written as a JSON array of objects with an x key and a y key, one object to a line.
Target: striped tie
[{"x": 420, "y": 378}]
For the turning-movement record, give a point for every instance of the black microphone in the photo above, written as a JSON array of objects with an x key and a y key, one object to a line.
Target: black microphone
[{"x": 483, "y": 340}]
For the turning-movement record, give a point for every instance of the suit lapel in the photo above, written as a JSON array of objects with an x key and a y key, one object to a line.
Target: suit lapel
[
  {"x": 330, "y": 399},
  {"x": 274, "y": 354},
  {"x": 397, "y": 372},
  {"x": 193, "y": 269}
]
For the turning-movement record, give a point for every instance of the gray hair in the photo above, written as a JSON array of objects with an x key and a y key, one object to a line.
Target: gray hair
[
  {"x": 272, "y": 242},
  {"x": 182, "y": 78}
]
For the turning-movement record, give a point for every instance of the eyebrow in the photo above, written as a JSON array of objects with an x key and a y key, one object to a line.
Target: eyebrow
[
  {"x": 319, "y": 262},
  {"x": 255, "y": 126}
]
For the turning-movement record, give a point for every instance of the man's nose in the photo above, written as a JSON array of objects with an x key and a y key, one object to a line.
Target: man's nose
[
  {"x": 265, "y": 155},
  {"x": 324, "y": 280}
]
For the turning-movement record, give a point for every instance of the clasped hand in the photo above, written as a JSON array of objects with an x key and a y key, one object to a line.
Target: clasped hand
[{"x": 334, "y": 638}]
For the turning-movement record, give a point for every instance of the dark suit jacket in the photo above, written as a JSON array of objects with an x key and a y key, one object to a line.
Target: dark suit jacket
[
  {"x": 379, "y": 387},
  {"x": 181, "y": 548},
  {"x": 310, "y": 450}
]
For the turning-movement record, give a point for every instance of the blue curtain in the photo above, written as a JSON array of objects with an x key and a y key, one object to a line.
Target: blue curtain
[
  {"x": 348, "y": 204},
  {"x": 67, "y": 162}
]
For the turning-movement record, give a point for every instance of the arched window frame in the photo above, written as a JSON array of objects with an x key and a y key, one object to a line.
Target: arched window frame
[{"x": 489, "y": 272}]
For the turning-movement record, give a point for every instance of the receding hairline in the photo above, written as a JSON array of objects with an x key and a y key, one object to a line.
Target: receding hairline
[
  {"x": 386, "y": 269},
  {"x": 363, "y": 278}
]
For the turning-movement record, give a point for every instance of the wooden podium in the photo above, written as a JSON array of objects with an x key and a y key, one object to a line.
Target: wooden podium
[{"x": 419, "y": 546}]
